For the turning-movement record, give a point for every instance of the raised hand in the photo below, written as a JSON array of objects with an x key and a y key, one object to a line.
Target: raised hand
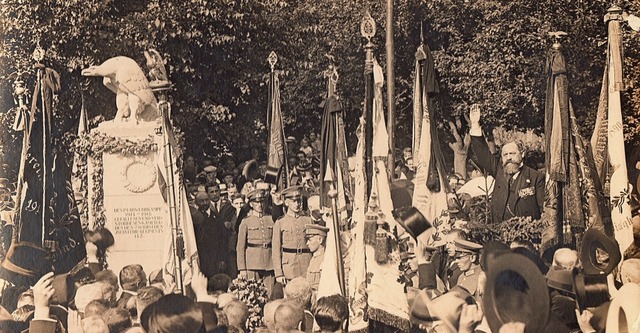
[
  {"x": 474, "y": 115},
  {"x": 42, "y": 292},
  {"x": 470, "y": 317}
]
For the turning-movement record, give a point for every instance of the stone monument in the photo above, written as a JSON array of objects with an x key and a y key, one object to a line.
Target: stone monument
[{"x": 122, "y": 170}]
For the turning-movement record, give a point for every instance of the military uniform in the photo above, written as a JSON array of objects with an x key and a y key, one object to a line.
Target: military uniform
[
  {"x": 290, "y": 254},
  {"x": 315, "y": 265},
  {"x": 469, "y": 279},
  {"x": 254, "y": 243}
]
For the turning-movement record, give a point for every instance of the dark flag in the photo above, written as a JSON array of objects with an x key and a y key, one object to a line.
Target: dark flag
[
  {"x": 47, "y": 222},
  {"x": 562, "y": 218},
  {"x": 276, "y": 149},
  {"x": 334, "y": 146}
]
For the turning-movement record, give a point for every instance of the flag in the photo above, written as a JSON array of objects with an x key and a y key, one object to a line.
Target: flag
[
  {"x": 357, "y": 277},
  {"x": 430, "y": 192},
  {"x": 277, "y": 150},
  {"x": 619, "y": 189},
  {"x": 387, "y": 300},
  {"x": 332, "y": 268},
  {"x": 46, "y": 213},
  {"x": 180, "y": 246},
  {"x": 561, "y": 218}
]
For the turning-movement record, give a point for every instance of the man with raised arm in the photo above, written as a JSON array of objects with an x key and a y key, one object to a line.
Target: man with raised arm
[{"x": 519, "y": 189}]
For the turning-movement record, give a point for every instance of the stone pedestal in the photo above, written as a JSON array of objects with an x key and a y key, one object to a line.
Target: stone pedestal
[{"x": 135, "y": 210}]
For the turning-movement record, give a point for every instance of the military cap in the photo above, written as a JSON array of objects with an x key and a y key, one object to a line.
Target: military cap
[
  {"x": 291, "y": 139},
  {"x": 293, "y": 192},
  {"x": 315, "y": 229},
  {"x": 210, "y": 169},
  {"x": 467, "y": 246},
  {"x": 256, "y": 195}
]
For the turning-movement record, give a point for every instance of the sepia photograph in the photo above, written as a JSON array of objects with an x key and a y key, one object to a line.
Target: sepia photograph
[{"x": 280, "y": 166}]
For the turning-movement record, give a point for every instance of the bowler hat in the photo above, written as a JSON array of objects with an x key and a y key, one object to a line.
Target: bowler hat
[
  {"x": 272, "y": 174},
  {"x": 25, "y": 263},
  {"x": 595, "y": 239},
  {"x": 515, "y": 291},
  {"x": 412, "y": 221}
]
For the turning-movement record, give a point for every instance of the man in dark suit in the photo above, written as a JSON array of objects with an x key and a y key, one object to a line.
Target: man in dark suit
[
  {"x": 212, "y": 238},
  {"x": 519, "y": 189}
]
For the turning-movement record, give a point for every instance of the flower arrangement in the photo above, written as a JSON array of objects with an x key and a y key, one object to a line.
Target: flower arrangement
[
  {"x": 253, "y": 293},
  {"x": 521, "y": 228}
]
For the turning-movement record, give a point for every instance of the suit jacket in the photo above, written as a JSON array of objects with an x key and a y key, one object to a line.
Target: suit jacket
[
  {"x": 212, "y": 240},
  {"x": 528, "y": 187}
]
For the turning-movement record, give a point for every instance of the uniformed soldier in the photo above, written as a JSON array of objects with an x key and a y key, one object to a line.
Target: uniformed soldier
[
  {"x": 254, "y": 242},
  {"x": 291, "y": 255},
  {"x": 467, "y": 258},
  {"x": 316, "y": 236}
]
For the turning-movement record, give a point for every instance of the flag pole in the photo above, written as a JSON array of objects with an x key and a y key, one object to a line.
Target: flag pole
[
  {"x": 333, "y": 195},
  {"x": 391, "y": 86},
  {"x": 368, "y": 30},
  {"x": 177, "y": 241}
]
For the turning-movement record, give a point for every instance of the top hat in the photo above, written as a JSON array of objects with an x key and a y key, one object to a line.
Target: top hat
[
  {"x": 627, "y": 302},
  {"x": 516, "y": 291},
  {"x": 25, "y": 263},
  {"x": 412, "y": 221},
  {"x": 591, "y": 290},
  {"x": 592, "y": 240},
  {"x": 272, "y": 174}
]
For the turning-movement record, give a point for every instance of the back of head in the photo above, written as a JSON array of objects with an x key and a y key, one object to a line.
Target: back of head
[
  {"x": 565, "y": 258},
  {"x": 132, "y": 277},
  {"x": 94, "y": 324},
  {"x": 288, "y": 316},
  {"x": 269, "y": 312},
  {"x": 237, "y": 313},
  {"x": 117, "y": 319},
  {"x": 298, "y": 291},
  {"x": 146, "y": 296},
  {"x": 219, "y": 282},
  {"x": 96, "y": 308},
  {"x": 630, "y": 271},
  {"x": 175, "y": 313},
  {"x": 86, "y": 294},
  {"x": 224, "y": 299},
  {"x": 108, "y": 276},
  {"x": 331, "y": 312}
]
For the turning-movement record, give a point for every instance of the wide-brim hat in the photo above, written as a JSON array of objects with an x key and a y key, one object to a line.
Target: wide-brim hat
[
  {"x": 591, "y": 290},
  {"x": 25, "y": 263},
  {"x": 412, "y": 221},
  {"x": 560, "y": 279},
  {"x": 250, "y": 170},
  {"x": 624, "y": 312},
  {"x": 592, "y": 240},
  {"x": 445, "y": 308},
  {"x": 272, "y": 174},
  {"x": 491, "y": 250},
  {"x": 515, "y": 291}
]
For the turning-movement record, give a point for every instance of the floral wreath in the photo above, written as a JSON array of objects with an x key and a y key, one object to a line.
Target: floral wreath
[{"x": 136, "y": 180}]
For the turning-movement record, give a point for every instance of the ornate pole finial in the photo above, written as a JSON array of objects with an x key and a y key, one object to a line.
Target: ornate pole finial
[
  {"x": 613, "y": 13},
  {"x": 38, "y": 53},
  {"x": 272, "y": 59},
  {"x": 557, "y": 35},
  {"x": 368, "y": 27}
]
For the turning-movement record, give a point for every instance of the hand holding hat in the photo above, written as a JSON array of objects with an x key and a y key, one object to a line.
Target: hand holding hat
[{"x": 42, "y": 292}]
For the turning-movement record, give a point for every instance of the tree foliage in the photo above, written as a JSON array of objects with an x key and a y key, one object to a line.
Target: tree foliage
[{"x": 489, "y": 52}]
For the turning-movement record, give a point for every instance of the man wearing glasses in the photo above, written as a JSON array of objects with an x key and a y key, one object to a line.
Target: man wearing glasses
[
  {"x": 291, "y": 255},
  {"x": 467, "y": 257}
]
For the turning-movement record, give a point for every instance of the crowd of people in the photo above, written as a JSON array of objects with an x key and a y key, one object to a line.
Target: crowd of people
[{"x": 247, "y": 229}]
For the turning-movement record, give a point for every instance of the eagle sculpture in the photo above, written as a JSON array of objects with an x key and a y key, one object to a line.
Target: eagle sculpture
[{"x": 123, "y": 76}]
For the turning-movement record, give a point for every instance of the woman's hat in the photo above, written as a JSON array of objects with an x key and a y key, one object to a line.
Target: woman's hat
[
  {"x": 412, "y": 221},
  {"x": 516, "y": 291},
  {"x": 594, "y": 261}
]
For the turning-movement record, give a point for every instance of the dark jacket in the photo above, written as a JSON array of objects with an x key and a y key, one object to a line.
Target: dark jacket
[{"x": 528, "y": 187}]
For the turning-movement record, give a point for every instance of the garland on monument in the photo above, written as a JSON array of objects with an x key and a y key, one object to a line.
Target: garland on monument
[{"x": 94, "y": 144}]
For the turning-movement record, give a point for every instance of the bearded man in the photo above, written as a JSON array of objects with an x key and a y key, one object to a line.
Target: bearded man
[{"x": 519, "y": 189}]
